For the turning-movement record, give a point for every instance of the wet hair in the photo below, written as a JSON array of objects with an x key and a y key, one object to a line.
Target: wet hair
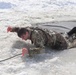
[{"x": 22, "y": 31}]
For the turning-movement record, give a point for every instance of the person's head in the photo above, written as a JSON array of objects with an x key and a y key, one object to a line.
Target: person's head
[{"x": 23, "y": 33}]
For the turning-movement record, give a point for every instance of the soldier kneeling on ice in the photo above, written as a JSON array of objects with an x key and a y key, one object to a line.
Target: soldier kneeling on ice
[{"x": 44, "y": 37}]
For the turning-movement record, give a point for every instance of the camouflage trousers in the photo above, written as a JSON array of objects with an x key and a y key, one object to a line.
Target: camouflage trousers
[{"x": 71, "y": 41}]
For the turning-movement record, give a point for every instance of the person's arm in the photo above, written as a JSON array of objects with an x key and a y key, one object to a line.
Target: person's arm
[
  {"x": 32, "y": 51},
  {"x": 12, "y": 29}
]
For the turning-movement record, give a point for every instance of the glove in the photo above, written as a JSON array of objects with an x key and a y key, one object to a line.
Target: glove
[
  {"x": 24, "y": 51},
  {"x": 9, "y": 29}
]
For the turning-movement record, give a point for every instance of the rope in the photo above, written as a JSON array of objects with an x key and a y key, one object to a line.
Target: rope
[
  {"x": 58, "y": 26},
  {"x": 53, "y": 26},
  {"x": 10, "y": 57}
]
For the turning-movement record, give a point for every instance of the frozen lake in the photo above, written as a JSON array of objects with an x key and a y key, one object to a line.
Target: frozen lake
[{"x": 24, "y": 13}]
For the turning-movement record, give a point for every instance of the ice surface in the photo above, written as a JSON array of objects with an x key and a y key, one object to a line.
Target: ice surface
[{"x": 24, "y": 13}]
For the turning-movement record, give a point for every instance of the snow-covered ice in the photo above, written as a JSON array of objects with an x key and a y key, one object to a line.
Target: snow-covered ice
[{"x": 22, "y": 13}]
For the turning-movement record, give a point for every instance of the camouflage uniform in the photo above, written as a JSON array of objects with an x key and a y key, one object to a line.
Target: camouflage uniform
[{"x": 43, "y": 37}]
